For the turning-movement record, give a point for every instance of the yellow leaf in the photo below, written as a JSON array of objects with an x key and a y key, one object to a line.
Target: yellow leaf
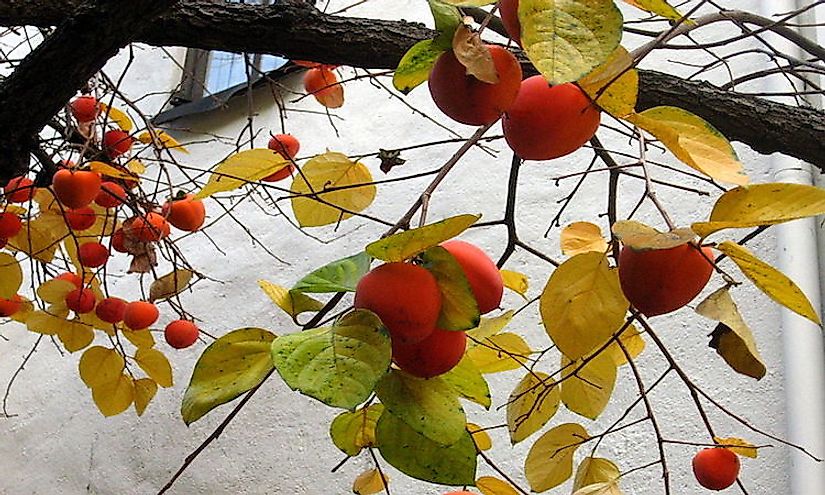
[
  {"x": 118, "y": 117},
  {"x": 658, "y": 7},
  {"x": 694, "y": 141},
  {"x": 75, "y": 335},
  {"x": 353, "y": 431},
  {"x": 331, "y": 170},
  {"x": 39, "y": 237},
  {"x": 771, "y": 281},
  {"x": 45, "y": 322},
  {"x": 91, "y": 320},
  {"x": 567, "y": 39},
  {"x": 160, "y": 139},
  {"x": 405, "y": 245},
  {"x": 370, "y": 482},
  {"x": 26, "y": 310},
  {"x": 11, "y": 276},
  {"x": 594, "y": 470},
  {"x": 55, "y": 291},
  {"x": 515, "y": 281},
  {"x": 632, "y": 342},
  {"x": 603, "y": 488},
  {"x": 480, "y": 437},
  {"x": 145, "y": 390},
  {"x": 155, "y": 364},
  {"x": 762, "y": 204},
  {"x": 293, "y": 303},
  {"x": 502, "y": 352},
  {"x": 550, "y": 460},
  {"x": 489, "y": 485},
  {"x": 582, "y": 304},
  {"x": 641, "y": 237},
  {"x": 582, "y": 237},
  {"x": 588, "y": 391},
  {"x": 141, "y": 339},
  {"x": 732, "y": 338},
  {"x": 136, "y": 166},
  {"x": 474, "y": 55},
  {"x": 114, "y": 397},
  {"x": 531, "y": 405},
  {"x": 170, "y": 284},
  {"x": 738, "y": 446},
  {"x": 488, "y": 327},
  {"x": 242, "y": 168},
  {"x": 621, "y": 81},
  {"x": 99, "y": 365},
  {"x": 110, "y": 171}
]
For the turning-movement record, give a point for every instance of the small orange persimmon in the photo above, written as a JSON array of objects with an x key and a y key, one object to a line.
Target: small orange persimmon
[
  {"x": 716, "y": 468},
  {"x": 435, "y": 355},
  {"x": 81, "y": 300},
  {"x": 117, "y": 142},
  {"x": 148, "y": 228},
  {"x": 80, "y": 218},
  {"x": 75, "y": 189},
  {"x": 181, "y": 334},
  {"x": 287, "y": 146},
  {"x": 187, "y": 213},
  {"x": 111, "y": 309},
  {"x": 10, "y": 306},
  {"x": 111, "y": 194},
  {"x": 85, "y": 108},
  {"x": 140, "y": 315},
  {"x": 19, "y": 190},
  {"x": 92, "y": 254},
  {"x": 74, "y": 278},
  {"x": 10, "y": 225},
  {"x": 324, "y": 86}
]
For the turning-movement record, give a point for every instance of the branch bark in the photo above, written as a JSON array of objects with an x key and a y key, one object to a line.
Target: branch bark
[{"x": 298, "y": 30}]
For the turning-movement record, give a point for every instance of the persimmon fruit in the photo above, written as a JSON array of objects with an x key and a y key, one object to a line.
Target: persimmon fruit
[
  {"x": 148, "y": 228},
  {"x": 482, "y": 273},
  {"x": 85, "y": 108},
  {"x": 323, "y": 84},
  {"x": 287, "y": 146},
  {"x": 81, "y": 301},
  {"x": 716, "y": 468},
  {"x": 181, "y": 334},
  {"x": 660, "y": 281},
  {"x": 19, "y": 190},
  {"x": 140, "y": 315},
  {"x": 74, "y": 278},
  {"x": 93, "y": 254},
  {"x": 118, "y": 241},
  {"x": 508, "y": 10},
  {"x": 111, "y": 309},
  {"x": 111, "y": 195},
  {"x": 548, "y": 122},
  {"x": 471, "y": 101},
  {"x": 187, "y": 213},
  {"x": 405, "y": 296},
  {"x": 10, "y": 225},
  {"x": 117, "y": 142},
  {"x": 433, "y": 356},
  {"x": 11, "y": 305},
  {"x": 75, "y": 188},
  {"x": 80, "y": 218}
]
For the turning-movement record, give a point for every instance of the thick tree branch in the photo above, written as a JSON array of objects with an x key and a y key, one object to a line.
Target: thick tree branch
[{"x": 296, "y": 30}]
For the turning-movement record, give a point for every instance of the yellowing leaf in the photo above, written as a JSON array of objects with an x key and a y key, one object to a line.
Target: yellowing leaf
[
  {"x": 694, "y": 141},
  {"x": 515, "y": 281},
  {"x": 99, "y": 365},
  {"x": 480, "y": 437},
  {"x": 550, "y": 460},
  {"x": 474, "y": 55},
  {"x": 502, "y": 352},
  {"x": 582, "y": 237},
  {"x": 468, "y": 381},
  {"x": 145, "y": 390},
  {"x": 45, "y": 323},
  {"x": 763, "y": 204},
  {"x": 489, "y": 485},
  {"x": 732, "y": 338},
  {"x": 739, "y": 446},
  {"x": 415, "y": 66},
  {"x": 594, "y": 470},
  {"x": 658, "y": 7},
  {"x": 293, "y": 303},
  {"x": 603, "y": 488},
  {"x": 75, "y": 335},
  {"x": 582, "y": 304},
  {"x": 632, "y": 342},
  {"x": 567, "y": 39},
  {"x": 141, "y": 339},
  {"x": 155, "y": 364},
  {"x": 39, "y": 237},
  {"x": 488, "y": 327},
  {"x": 117, "y": 116},
  {"x": 588, "y": 391},
  {"x": 771, "y": 281},
  {"x": 353, "y": 431},
  {"x": 136, "y": 166},
  {"x": 459, "y": 310},
  {"x": 613, "y": 85},
  {"x": 531, "y": 405},
  {"x": 641, "y": 237},
  {"x": 406, "y": 244},
  {"x": 55, "y": 291},
  {"x": 331, "y": 170},
  {"x": 115, "y": 396},
  {"x": 370, "y": 482},
  {"x": 11, "y": 276},
  {"x": 160, "y": 139},
  {"x": 110, "y": 171},
  {"x": 242, "y": 168},
  {"x": 170, "y": 284}
]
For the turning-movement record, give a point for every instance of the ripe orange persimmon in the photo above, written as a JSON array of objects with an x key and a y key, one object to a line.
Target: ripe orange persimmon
[
  {"x": 81, "y": 300},
  {"x": 92, "y": 254},
  {"x": 71, "y": 277},
  {"x": 435, "y": 355},
  {"x": 405, "y": 296},
  {"x": 549, "y": 121},
  {"x": 468, "y": 100},
  {"x": 508, "y": 10},
  {"x": 10, "y": 225},
  {"x": 481, "y": 272},
  {"x": 140, "y": 314},
  {"x": 19, "y": 190},
  {"x": 111, "y": 194},
  {"x": 111, "y": 309},
  {"x": 323, "y": 84},
  {"x": 287, "y": 146},
  {"x": 10, "y": 306},
  {"x": 187, "y": 213},
  {"x": 716, "y": 468},
  {"x": 151, "y": 227},
  {"x": 181, "y": 334},
  {"x": 75, "y": 189},
  {"x": 85, "y": 108},
  {"x": 659, "y": 281},
  {"x": 80, "y": 218},
  {"x": 118, "y": 240},
  {"x": 117, "y": 142}
]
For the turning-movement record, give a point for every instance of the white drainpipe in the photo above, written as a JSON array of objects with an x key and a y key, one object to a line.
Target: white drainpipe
[{"x": 798, "y": 256}]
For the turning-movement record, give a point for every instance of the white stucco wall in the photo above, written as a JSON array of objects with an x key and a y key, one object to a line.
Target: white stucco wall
[{"x": 59, "y": 443}]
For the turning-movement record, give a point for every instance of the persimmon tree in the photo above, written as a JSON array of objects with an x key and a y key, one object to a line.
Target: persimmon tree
[{"x": 87, "y": 176}]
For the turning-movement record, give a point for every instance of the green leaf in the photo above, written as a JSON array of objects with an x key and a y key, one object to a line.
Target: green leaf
[
  {"x": 419, "y": 457},
  {"x": 405, "y": 245},
  {"x": 459, "y": 310},
  {"x": 566, "y": 39},
  {"x": 230, "y": 366},
  {"x": 339, "y": 276},
  {"x": 447, "y": 19},
  {"x": 353, "y": 431},
  {"x": 468, "y": 381},
  {"x": 337, "y": 365},
  {"x": 531, "y": 405},
  {"x": 588, "y": 391},
  {"x": 429, "y": 406},
  {"x": 415, "y": 66}
]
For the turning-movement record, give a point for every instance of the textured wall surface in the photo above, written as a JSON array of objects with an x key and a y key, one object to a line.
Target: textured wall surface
[{"x": 58, "y": 443}]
